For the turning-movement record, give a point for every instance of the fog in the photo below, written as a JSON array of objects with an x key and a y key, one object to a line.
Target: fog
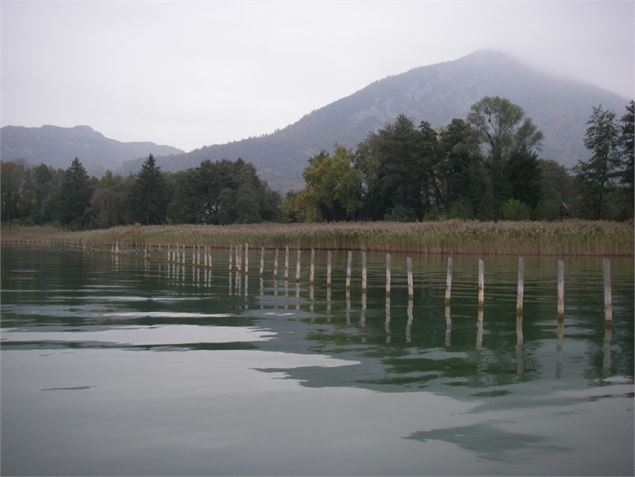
[{"x": 195, "y": 73}]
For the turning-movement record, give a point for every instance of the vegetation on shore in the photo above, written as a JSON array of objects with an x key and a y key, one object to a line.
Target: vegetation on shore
[{"x": 572, "y": 237}]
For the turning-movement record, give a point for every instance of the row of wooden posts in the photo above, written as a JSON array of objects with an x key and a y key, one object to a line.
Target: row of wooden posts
[{"x": 238, "y": 260}]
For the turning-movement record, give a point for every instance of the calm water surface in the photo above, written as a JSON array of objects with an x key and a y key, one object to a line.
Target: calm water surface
[{"x": 123, "y": 367}]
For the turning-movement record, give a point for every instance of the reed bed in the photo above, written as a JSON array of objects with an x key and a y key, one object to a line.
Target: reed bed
[{"x": 572, "y": 237}]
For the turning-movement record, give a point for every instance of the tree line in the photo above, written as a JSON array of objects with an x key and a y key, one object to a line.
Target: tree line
[
  {"x": 485, "y": 166},
  {"x": 221, "y": 192}
]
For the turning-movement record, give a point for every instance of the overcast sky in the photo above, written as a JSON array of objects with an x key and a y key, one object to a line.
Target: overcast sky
[{"x": 190, "y": 74}]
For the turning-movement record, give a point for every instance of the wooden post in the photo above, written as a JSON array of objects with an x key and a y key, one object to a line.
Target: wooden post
[
  {"x": 388, "y": 274},
  {"x": 209, "y": 257},
  {"x": 286, "y": 262},
  {"x": 560, "y": 288},
  {"x": 246, "y": 258},
  {"x": 448, "y": 281},
  {"x": 481, "y": 283},
  {"x": 230, "y": 259},
  {"x": 312, "y": 269},
  {"x": 520, "y": 290},
  {"x": 297, "y": 266},
  {"x": 411, "y": 293},
  {"x": 328, "y": 269},
  {"x": 349, "y": 263},
  {"x": 239, "y": 258},
  {"x": 364, "y": 273},
  {"x": 262, "y": 262},
  {"x": 275, "y": 265},
  {"x": 608, "y": 305}
]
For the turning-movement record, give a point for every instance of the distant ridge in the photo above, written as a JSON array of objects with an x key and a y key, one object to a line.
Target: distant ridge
[
  {"x": 435, "y": 93},
  {"x": 58, "y": 146}
]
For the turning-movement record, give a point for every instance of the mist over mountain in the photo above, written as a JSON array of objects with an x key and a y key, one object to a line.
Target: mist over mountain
[
  {"x": 435, "y": 93},
  {"x": 58, "y": 146}
]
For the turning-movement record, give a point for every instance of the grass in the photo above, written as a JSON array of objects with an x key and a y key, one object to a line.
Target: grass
[{"x": 572, "y": 237}]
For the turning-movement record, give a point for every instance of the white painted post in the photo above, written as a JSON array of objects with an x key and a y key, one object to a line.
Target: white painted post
[{"x": 481, "y": 283}]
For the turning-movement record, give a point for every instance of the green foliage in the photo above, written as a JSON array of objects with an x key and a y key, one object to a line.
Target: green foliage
[
  {"x": 596, "y": 176},
  {"x": 148, "y": 201},
  {"x": 108, "y": 205},
  {"x": 514, "y": 209},
  {"x": 76, "y": 191},
  {"x": 334, "y": 187},
  {"x": 556, "y": 189},
  {"x": 524, "y": 177},
  {"x": 503, "y": 127},
  {"x": 223, "y": 192},
  {"x": 625, "y": 173},
  {"x": 12, "y": 179}
]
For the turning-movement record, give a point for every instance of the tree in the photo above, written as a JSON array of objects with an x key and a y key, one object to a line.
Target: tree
[
  {"x": 503, "y": 127},
  {"x": 12, "y": 181},
  {"x": 333, "y": 186},
  {"x": 75, "y": 195},
  {"x": 523, "y": 175},
  {"x": 556, "y": 188},
  {"x": 626, "y": 167},
  {"x": 467, "y": 189},
  {"x": 596, "y": 176},
  {"x": 148, "y": 202},
  {"x": 108, "y": 205}
]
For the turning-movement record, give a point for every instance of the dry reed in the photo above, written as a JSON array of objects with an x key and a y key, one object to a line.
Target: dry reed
[{"x": 572, "y": 237}]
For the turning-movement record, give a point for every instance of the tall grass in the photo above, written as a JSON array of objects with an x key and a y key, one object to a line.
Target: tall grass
[{"x": 572, "y": 237}]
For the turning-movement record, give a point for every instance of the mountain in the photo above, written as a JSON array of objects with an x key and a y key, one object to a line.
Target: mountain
[
  {"x": 57, "y": 146},
  {"x": 436, "y": 94}
]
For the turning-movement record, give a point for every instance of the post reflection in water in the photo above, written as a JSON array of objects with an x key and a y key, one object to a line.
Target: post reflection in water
[
  {"x": 606, "y": 350},
  {"x": 409, "y": 321},
  {"x": 328, "y": 304},
  {"x": 479, "y": 329},
  {"x": 348, "y": 307},
  {"x": 559, "y": 345},
  {"x": 286, "y": 294},
  {"x": 362, "y": 319},
  {"x": 448, "y": 327},
  {"x": 311, "y": 299},
  {"x": 262, "y": 292},
  {"x": 297, "y": 294},
  {"x": 387, "y": 321},
  {"x": 275, "y": 294},
  {"x": 520, "y": 364},
  {"x": 231, "y": 282}
]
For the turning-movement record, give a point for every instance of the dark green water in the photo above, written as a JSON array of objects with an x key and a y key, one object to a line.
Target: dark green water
[{"x": 116, "y": 367}]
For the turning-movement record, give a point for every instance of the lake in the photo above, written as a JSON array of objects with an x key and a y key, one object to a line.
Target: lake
[{"x": 114, "y": 365}]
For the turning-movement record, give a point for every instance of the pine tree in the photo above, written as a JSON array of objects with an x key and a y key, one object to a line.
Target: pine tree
[
  {"x": 75, "y": 195},
  {"x": 148, "y": 195}
]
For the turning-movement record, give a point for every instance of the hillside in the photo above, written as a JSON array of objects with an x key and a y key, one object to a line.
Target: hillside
[
  {"x": 58, "y": 146},
  {"x": 435, "y": 93}
]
